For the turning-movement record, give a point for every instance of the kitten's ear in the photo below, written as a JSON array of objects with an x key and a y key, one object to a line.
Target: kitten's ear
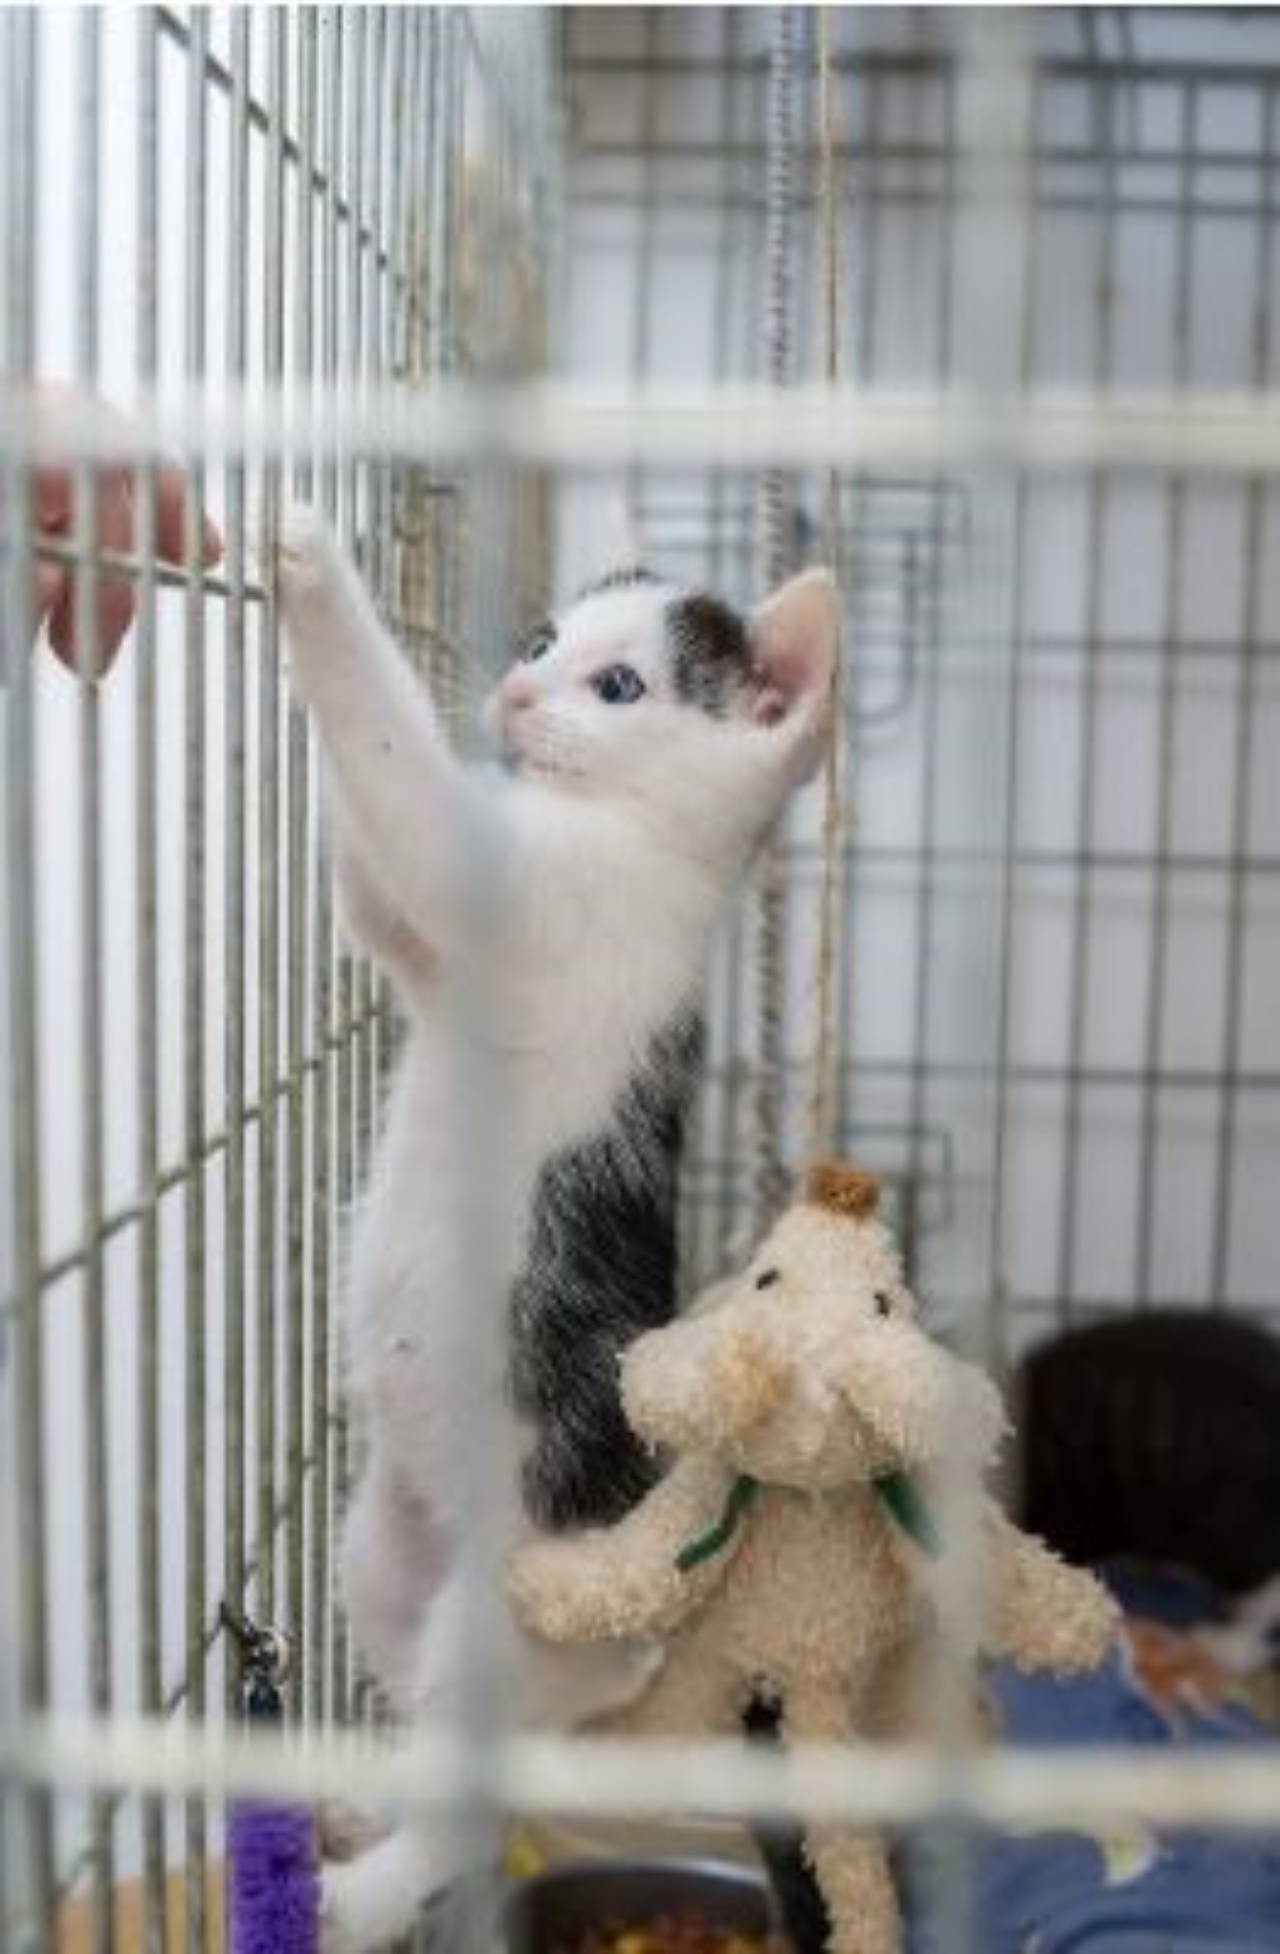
[{"x": 795, "y": 636}]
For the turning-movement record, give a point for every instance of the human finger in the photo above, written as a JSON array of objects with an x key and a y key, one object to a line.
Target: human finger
[
  {"x": 113, "y": 595},
  {"x": 171, "y": 526}
]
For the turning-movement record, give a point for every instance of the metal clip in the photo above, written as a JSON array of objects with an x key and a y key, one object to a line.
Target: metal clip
[{"x": 266, "y": 1660}]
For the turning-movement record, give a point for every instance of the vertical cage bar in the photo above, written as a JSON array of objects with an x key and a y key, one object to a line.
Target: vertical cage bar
[
  {"x": 269, "y": 862},
  {"x": 1083, "y": 912},
  {"x": 447, "y": 252},
  {"x": 89, "y": 653},
  {"x": 377, "y": 129},
  {"x": 378, "y": 554},
  {"x": 642, "y": 273},
  {"x": 150, "y": 1653},
  {"x": 355, "y": 45},
  {"x": 11, "y": 1817},
  {"x": 1236, "y": 922},
  {"x": 358, "y": 500},
  {"x": 195, "y": 1257},
  {"x": 928, "y": 816},
  {"x": 235, "y": 854},
  {"x": 994, "y": 1332},
  {"x": 353, "y": 976},
  {"x": 311, "y": 1516},
  {"x": 22, "y": 76},
  {"x": 862, "y": 110},
  {"x": 1169, "y": 710},
  {"x": 331, "y": 22},
  {"x": 382, "y": 357},
  {"x": 724, "y": 495},
  {"x": 340, "y": 959},
  {"x": 297, "y": 801},
  {"x": 995, "y": 235}
]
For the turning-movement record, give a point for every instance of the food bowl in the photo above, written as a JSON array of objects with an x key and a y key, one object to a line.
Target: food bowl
[{"x": 553, "y": 1911}]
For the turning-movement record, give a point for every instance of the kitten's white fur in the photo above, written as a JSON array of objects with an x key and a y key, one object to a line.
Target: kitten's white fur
[{"x": 539, "y": 923}]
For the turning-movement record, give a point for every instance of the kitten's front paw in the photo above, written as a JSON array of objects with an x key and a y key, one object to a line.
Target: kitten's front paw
[
  {"x": 337, "y": 1935},
  {"x": 309, "y": 559},
  {"x": 373, "y": 1900},
  {"x": 344, "y": 1831}
]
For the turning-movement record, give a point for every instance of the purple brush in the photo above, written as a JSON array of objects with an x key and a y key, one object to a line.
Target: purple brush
[
  {"x": 274, "y": 1890},
  {"x": 273, "y": 1881}
]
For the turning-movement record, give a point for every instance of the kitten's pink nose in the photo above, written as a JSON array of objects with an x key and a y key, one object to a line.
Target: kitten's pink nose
[{"x": 518, "y": 690}]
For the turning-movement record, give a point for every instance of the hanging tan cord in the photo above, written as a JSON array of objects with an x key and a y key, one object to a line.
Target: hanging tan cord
[
  {"x": 825, "y": 1064},
  {"x": 774, "y": 560}
]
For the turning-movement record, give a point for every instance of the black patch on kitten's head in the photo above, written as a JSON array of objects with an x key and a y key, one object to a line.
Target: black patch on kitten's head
[
  {"x": 710, "y": 650},
  {"x": 620, "y": 579}
]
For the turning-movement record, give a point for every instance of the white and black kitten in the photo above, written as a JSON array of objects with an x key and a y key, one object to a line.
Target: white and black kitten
[{"x": 649, "y": 738}]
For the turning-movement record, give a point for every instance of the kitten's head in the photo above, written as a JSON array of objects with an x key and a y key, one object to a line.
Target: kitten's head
[{"x": 671, "y": 700}]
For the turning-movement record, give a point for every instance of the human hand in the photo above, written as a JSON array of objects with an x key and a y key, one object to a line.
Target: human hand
[{"x": 116, "y": 526}]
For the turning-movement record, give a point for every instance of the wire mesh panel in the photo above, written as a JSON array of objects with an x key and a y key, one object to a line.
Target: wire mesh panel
[
  {"x": 241, "y": 204},
  {"x": 1061, "y": 863}
]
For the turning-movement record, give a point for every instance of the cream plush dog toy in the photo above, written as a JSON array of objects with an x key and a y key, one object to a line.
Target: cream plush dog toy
[{"x": 792, "y": 1544}]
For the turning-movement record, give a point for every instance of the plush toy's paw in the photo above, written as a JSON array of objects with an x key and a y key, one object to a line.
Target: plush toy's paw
[
  {"x": 1090, "y": 1630},
  {"x": 555, "y": 1594},
  {"x": 1077, "y": 1622}
]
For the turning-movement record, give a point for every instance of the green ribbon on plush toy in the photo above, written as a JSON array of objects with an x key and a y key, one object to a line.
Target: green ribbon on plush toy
[
  {"x": 902, "y": 1499},
  {"x": 716, "y": 1538}
]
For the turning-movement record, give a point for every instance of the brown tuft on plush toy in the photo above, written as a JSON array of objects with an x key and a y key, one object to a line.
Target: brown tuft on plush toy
[
  {"x": 791, "y": 1543},
  {"x": 843, "y": 1189}
]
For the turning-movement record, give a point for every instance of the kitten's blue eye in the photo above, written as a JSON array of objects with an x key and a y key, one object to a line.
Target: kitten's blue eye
[
  {"x": 618, "y": 685},
  {"x": 539, "y": 645}
]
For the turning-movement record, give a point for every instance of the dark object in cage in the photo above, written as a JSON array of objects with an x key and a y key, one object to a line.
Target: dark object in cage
[
  {"x": 1156, "y": 1438},
  {"x": 662, "y": 1906}
]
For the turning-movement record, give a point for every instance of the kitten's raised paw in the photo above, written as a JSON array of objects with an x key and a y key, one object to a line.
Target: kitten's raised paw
[{"x": 308, "y": 553}]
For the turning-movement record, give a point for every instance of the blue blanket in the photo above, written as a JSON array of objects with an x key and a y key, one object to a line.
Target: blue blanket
[{"x": 1127, "y": 1893}]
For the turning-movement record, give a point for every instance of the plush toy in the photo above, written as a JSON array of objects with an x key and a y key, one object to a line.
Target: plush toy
[{"x": 794, "y": 1541}]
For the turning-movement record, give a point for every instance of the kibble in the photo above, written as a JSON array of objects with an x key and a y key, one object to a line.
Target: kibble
[{"x": 669, "y": 1933}]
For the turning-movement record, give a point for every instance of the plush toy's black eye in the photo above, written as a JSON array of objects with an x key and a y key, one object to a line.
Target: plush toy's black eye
[
  {"x": 767, "y": 1280},
  {"x": 618, "y": 685},
  {"x": 539, "y": 644},
  {"x": 884, "y": 1303}
]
